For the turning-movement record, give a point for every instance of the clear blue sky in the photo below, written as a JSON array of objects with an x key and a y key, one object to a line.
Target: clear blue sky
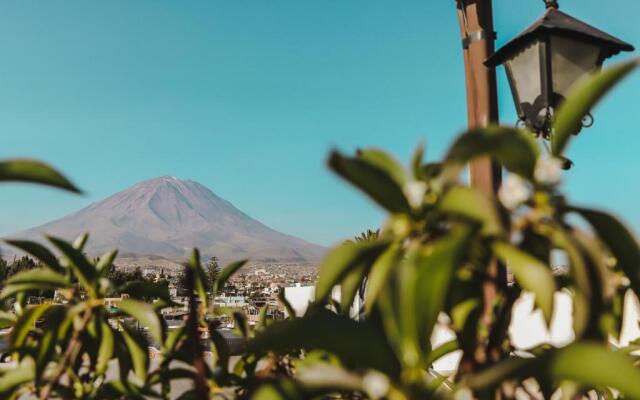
[{"x": 247, "y": 97}]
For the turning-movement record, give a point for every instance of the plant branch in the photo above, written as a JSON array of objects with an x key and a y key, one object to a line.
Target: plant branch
[{"x": 68, "y": 355}]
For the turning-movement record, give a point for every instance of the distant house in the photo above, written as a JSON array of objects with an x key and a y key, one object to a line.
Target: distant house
[{"x": 229, "y": 301}]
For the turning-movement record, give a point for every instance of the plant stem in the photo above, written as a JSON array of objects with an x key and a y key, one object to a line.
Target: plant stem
[{"x": 68, "y": 355}]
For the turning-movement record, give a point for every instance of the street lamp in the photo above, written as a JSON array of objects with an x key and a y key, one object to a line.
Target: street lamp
[{"x": 545, "y": 60}]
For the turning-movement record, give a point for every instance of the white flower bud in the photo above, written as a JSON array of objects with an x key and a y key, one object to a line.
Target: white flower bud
[
  {"x": 415, "y": 191},
  {"x": 514, "y": 191},
  {"x": 376, "y": 384},
  {"x": 548, "y": 170}
]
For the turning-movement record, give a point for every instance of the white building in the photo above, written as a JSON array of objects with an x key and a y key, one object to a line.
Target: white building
[
  {"x": 527, "y": 330},
  {"x": 300, "y": 296}
]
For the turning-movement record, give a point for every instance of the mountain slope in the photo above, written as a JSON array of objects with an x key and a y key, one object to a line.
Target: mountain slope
[{"x": 167, "y": 217}]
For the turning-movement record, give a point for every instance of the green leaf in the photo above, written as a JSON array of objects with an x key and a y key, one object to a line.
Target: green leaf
[
  {"x": 532, "y": 274},
  {"x": 82, "y": 268},
  {"x": 474, "y": 205},
  {"x": 105, "y": 262},
  {"x": 199, "y": 277},
  {"x": 35, "y": 172},
  {"x": 416, "y": 161},
  {"x": 441, "y": 351},
  {"x": 385, "y": 162},
  {"x": 35, "y": 279},
  {"x": 582, "y": 98},
  {"x": 38, "y": 251},
  {"x": 374, "y": 181},
  {"x": 146, "y": 314},
  {"x": 502, "y": 371},
  {"x": 379, "y": 275},
  {"x": 350, "y": 285},
  {"x": 436, "y": 266},
  {"x": 324, "y": 330},
  {"x": 620, "y": 241},
  {"x": 7, "y": 319},
  {"x": 341, "y": 260},
  {"x": 25, "y": 323},
  {"x": 137, "y": 351},
  {"x": 220, "y": 348},
  {"x": 80, "y": 241},
  {"x": 106, "y": 350},
  {"x": 23, "y": 373},
  {"x": 140, "y": 289},
  {"x": 514, "y": 149},
  {"x": 42, "y": 276},
  {"x": 285, "y": 303},
  {"x": 241, "y": 323},
  {"x": 226, "y": 273},
  {"x": 593, "y": 365}
]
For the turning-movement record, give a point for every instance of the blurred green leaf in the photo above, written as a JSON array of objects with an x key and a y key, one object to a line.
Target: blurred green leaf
[
  {"x": 366, "y": 346},
  {"x": 374, "y": 181},
  {"x": 385, "y": 162},
  {"x": 532, "y": 275},
  {"x": 220, "y": 349},
  {"x": 34, "y": 172},
  {"x": 514, "y": 149},
  {"x": 82, "y": 268},
  {"x": 350, "y": 285},
  {"x": 241, "y": 323},
  {"x": 40, "y": 275},
  {"x": 25, "y": 323},
  {"x": 137, "y": 351},
  {"x": 146, "y": 289},
  {"x": 80, "y": 241},
  {"x": 285, "y": 303},
  {"x": 378, "y": 277},
  {"x": 35, "y": 279},
  {"x": 38, "y": 251},
  {"x": 441, "y": 351},
  {"x": 341, "y": 260},
  {"x": 106, "y": 350},
  {"x": 105, "y": 262},
  {"x": 226, "y": 273},
  {"x": 620, "y": 241},
  {"x": 582, "y": 98},
  {"x": 23, "y": 372},
  {"x": 199, "y": 277},
  {"x": 593, "y": 365},
  {"x": 436, "y": 265},
  {"x": 7, "y": 319},
  {"x": 416, "y": 161},
  {"x": 502, "y": 371},
  {"x": 474, "y": 205},
  {"x": 146, "y": 314}
]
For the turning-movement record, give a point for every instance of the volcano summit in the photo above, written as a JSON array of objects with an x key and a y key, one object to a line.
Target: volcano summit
[{"x": 167, "y": 217}]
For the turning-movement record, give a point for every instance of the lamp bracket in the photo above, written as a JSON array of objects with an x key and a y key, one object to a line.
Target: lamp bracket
[{"x": 477, "y": 36}]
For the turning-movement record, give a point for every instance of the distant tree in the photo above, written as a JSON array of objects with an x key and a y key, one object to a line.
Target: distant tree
[{"x": 213, "y": 272}]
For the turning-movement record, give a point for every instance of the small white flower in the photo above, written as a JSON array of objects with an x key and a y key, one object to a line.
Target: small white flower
[
  {"x": 548, "y": 170},
  {"x": 376, "y": 384},
  {"x": 514, "y": 191},
  {"x": 463, "y": 394},
  {"x": 415, "y": 191}
]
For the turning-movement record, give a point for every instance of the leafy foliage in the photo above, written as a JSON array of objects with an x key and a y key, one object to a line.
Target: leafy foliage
[{"x": 443, "y": 247}]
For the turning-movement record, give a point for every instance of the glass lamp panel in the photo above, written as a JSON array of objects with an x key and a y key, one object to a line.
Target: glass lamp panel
[
  {"x": 571, "y": 60},
  {"x": 524, "y": 69}
]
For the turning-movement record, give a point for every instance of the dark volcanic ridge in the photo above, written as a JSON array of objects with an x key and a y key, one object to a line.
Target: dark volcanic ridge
[{"x": 167, "y": 217}]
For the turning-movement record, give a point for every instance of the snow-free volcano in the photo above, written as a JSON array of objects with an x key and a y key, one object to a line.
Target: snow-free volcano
[{"x": 168, "y": 217}]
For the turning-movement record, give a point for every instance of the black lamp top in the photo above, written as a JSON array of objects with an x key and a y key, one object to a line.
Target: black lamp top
[{"x": 555, "y": 21}]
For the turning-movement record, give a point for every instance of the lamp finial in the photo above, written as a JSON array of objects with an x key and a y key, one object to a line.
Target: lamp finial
[{"x": 552, "y": 4}]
